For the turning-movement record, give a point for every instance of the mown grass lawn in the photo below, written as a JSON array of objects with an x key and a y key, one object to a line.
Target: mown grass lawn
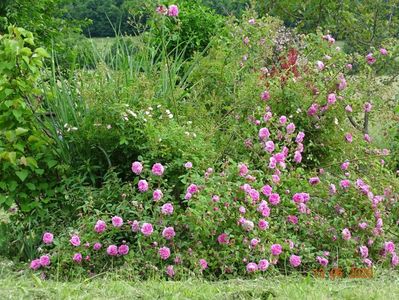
[{"x": 384, "y": 286}]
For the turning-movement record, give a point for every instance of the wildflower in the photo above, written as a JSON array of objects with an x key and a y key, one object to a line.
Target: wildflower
[
  {"x": 254, "y": 243},
  {"x": 170, "y": 271},
  {"x": 331, "y": 98},
  {"x": 367, "y": 138},
  {"x": 167, "y": 209},
  {"x": 48, "y": 238},
  {"x": 252, "y": 267},
  {"x": 264, "y": 133},
  {"x": 290, "y": 128},
  {"x": 367, "y": 107},
  {"x": 243, "y": 169},
  {"x": 367, "y": 262},
  {"x": 97, "y": 246},
  {"x": 345, "y": 165},
  {"x": 162, "y": 10},
  {"x": 346, "y": 234},
  {"x": 173, "y": 11},
  {"x": 320, "y": 65},
  {"x": 266, "y": 190},
  {"x": 274, "y": 199},
  {"x": 137, "y": 168},
  {"x": 295, "y": 260},
  {"x": 276, "y": 249},
  {"x": 332, "y": 189},
  {"x": 299, "y": 138},
  {"x": 322, "y": 261},
  {"x": 364, "y": 251},
  {"x": 223, "y": 239},
  {"x": 203, "y": 263},
  {"x": 143, "y": 185},
  {"x": 157, "y": 169},
  {"x": 100, "y": 226},
  {"x": 254, "y": 194},
  {"x": 389, "y": 247},
  {"x": 348, "y": 137},
  {"x": 345, "y": 184},
  {"x": 313, "y": 109},
  {"x": 164, "y": 253},
  {"x": 292, "y": 219},
  {"x": 262, "y": 224},
  {"x": 77, "y": 257},
  {"x": 135, "y": 226},
  {"x": 168, "y": 233},
  {"x": 394, "y": 260},
  {"x": 44, "y": 260},
  {"x": 248, "y": 225},
  {"x": 269, "y": 146},
  {"x": 265, "y": 95},
  {"x": 188, "y": 165},
  {"x": 75, "y": 240},
  {"x": 117, "y": 221},
  {"x": 383, "y": 51},
  {"x": 147, "y": 229},
  {"x": 192, "y": 188},
  {"x": 297, "y": 157},
  {"x": 157, "y": 195},
  {"x": 123, "y": 250},
  {"x": 35, "y": 264},
  {"x": 314, "y": 180},
  {"x": 112, "y": 250},
  {"x": 363, "y": 225},
  {"x": 370, "y": 59},
  {"x": 263, "y": 265}
]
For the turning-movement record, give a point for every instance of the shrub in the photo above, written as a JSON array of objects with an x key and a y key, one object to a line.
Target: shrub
[
  {"x": 189, "y": 32},
  {"x": 28, "y": 160}
]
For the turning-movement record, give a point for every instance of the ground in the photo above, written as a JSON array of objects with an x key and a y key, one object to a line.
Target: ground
[{"x": 27, "y": 286}]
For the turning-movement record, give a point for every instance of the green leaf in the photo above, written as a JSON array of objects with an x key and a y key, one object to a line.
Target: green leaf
[
  {"x": 41, "y": 52},
  {"x": 22, "y": 174},
  {"x": 21, "y": 131}
]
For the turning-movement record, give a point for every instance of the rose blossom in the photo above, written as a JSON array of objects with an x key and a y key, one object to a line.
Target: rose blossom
[
  {"x": 295, "y": 260},
  {"x": 75, "y": 240},
  {"x": 77, "y": 257},
  {"x": 164, "y": 253},
  {"x": 252, "y": 267},
  {"x": 117, "y": 221},
  {"x": 112, "y": 250},
  {"x": 100, "y": 226},
  {"x": 123, "y": 250},
  {"x": 44, "y": 260},
  {"x": 276, "y": 249},
  {"x": 48, "y": 238},
  {"x": 143, "y": 185},
  {"x": 173, "y": 10},
  {"x": 167, "y": 209},
  {"x": 147, "y": 229},
  {"x": 168, "y": 233},
  {"x": 157, "y": 169},
  {"x": 137, "y": 167}
]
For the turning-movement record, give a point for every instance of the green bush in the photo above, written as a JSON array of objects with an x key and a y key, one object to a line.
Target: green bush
[
  {"x": 28, "y": 158},
  {"x": 191, "y": 31}
]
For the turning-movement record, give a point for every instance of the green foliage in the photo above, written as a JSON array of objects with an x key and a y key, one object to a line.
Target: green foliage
[
  {"x": 188, "y": 33},
  {"x": 27, "y": 158}
]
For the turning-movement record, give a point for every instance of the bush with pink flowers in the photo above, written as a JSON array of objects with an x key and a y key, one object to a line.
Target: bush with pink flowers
[{"x": 261, "y": 159}]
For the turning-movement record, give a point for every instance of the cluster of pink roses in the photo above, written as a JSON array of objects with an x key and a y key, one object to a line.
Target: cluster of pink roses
[{"x": 171, "y": 11}]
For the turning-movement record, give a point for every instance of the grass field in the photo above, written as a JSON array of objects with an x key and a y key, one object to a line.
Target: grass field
[{"x": 25, "y": 286}]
